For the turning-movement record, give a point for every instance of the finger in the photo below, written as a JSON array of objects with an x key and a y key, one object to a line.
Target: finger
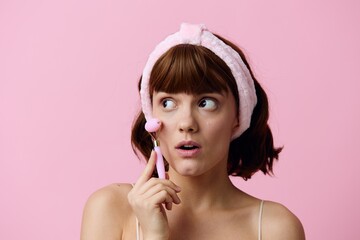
[
  {"x": 160, "y": 198},
  {"x": 160, "y": 188},
  {"x": 149, "y": 169},
  {"x": 158, "y": 184},
  {"x": 168, "y": 205}
]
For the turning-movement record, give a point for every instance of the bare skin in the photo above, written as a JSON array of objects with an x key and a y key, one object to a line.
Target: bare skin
[
  {"x": 109, "y": 215},
  {"x": 197, "y": 200}
]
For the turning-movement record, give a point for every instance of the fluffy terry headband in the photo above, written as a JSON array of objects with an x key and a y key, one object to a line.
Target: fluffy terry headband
[{"x": 199, "y": 35}]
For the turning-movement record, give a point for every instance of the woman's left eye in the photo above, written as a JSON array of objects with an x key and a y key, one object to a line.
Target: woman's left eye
[
  {"x": 207, "y": 103},
  {"x": 168, "y": 104}
]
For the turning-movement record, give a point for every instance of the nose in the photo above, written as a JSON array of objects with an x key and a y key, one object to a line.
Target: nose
[{"x": 188, "y": 122}]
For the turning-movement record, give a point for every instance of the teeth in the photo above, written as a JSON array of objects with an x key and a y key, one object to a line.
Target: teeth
[{"x": 188, "y": 147}]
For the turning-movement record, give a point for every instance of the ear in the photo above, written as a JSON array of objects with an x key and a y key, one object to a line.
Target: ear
[{"x": 235, "y": 126}]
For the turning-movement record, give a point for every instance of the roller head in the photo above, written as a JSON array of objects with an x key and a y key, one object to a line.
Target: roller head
[{"x": 152, "y": 125}]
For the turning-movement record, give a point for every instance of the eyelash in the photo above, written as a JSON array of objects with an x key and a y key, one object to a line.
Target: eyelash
[
  {"x": 164, "y": 100},
  {"x": 215, "y": 102}
]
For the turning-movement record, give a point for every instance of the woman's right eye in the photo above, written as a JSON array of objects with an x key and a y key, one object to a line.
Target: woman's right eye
[{"x": 168, "y": 104}]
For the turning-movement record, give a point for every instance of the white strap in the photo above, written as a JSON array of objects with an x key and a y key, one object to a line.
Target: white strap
[
  {"x": 137, "y": 229},
  {"x": 260, "y": 218},
  {"x": 137, "y": 224}
]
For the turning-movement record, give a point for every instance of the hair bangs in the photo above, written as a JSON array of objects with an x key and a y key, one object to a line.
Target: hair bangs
[{"x": 190, "y": 69}]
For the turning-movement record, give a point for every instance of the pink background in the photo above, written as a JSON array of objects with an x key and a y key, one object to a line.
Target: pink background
[{"x": 68, "y": 77}]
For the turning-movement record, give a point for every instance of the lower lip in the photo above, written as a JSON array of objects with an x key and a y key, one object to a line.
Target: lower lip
[{"x": 188, "y": 153}]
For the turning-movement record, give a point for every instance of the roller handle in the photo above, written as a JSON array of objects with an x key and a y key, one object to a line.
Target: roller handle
[{"x": 159, "y": 163}]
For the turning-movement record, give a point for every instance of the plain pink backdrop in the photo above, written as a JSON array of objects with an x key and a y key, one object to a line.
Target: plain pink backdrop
[{"x": 68, "y": 77}]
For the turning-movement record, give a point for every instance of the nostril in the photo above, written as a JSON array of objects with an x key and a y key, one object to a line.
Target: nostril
[
  {"x": 187, "y": 129},
  {"x": 188, "y": 126}
]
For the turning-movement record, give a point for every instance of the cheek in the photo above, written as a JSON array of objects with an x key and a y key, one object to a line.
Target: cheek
[
  {"x": 166, "y": 132},
  {"x": 164, "y": 138},
  {"x": 220, "y": 127}
]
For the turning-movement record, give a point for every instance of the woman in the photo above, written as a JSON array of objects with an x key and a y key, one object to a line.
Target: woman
[{"x": 213, "y": 116}]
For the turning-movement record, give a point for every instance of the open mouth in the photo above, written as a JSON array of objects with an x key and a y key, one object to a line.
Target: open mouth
[{"x": 188, "y": 147}]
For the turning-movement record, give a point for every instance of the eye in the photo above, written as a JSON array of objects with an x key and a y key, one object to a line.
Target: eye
[
  {"x": 168, "y": 104},
  {"x": 207, "y": 103}
]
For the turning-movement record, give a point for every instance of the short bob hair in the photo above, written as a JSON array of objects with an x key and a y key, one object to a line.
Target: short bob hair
[{"x": 192, "y": 69}]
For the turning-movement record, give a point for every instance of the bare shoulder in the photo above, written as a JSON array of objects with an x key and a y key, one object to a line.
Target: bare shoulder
[
  {"x": 106, "y": 212},
  {"x": 280, "y": 223}
]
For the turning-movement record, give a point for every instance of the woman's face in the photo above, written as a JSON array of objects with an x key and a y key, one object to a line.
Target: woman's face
[{"x": 196, "y": 130}]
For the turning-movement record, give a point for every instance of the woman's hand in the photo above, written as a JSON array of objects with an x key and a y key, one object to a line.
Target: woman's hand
[{"x": 148, "y": 198}]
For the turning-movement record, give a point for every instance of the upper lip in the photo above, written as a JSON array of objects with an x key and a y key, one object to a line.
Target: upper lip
[{"x": 188, "y": 142}]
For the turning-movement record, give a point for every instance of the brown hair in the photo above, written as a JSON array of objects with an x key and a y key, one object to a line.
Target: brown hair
[{"x": 195, "y": 70}]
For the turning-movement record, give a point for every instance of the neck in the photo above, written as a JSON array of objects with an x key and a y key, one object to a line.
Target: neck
[{"x": 210, "y": 190}]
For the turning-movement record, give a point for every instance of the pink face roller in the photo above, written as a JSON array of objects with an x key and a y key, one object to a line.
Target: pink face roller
[{"x": 152, "y": 126}]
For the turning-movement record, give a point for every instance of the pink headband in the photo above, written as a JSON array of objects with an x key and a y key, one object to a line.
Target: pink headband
[{"x": 199, "y": 35}]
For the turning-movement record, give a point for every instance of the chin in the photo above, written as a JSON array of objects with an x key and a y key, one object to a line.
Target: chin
[
  {"x": 189, "y": 167},
  {"x": 187, "y": 171}
]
